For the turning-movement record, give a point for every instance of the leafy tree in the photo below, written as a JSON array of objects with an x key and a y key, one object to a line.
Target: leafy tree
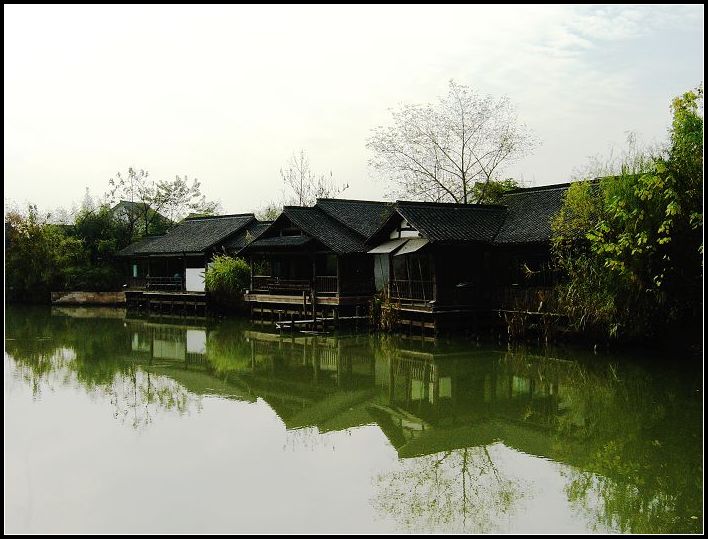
[
  {"x": 102, "y": 232},
  {"x": 38, "y": 255},
  {"x": 492, "y": 192},
  {"x": 631, "y": 244},
  {"x": 439, "y": 152}
]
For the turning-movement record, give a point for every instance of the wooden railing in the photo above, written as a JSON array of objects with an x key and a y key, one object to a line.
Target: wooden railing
[
  {"x": 323, "y": 284},
  {"x": 411, "y": 290},
  {"x": 269, "y": 284},
  {"x": 137, "y": 282},
  {"x": 326, "y": 284},
  {"x": 260, "y": 282},
  {"x": 164, "y": 283}
]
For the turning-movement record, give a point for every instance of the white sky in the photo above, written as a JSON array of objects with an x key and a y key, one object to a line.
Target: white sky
[{"x": 226, "y": 94}]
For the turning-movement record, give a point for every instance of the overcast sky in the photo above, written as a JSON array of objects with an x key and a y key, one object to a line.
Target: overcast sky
[{"x": 226, "y": 94}]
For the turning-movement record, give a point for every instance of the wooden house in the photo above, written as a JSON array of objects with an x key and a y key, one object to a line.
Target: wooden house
[
  {"x": 437, "y": 256},
  {"x": 523, "y": 272},
  {"x": 178, "y": 260},
  {"x": 449, "y": 260},
  {"x": 314, "y": 259}
]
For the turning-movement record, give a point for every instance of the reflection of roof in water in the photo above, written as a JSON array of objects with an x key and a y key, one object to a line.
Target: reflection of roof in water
[
  {"x": 301, "y": 401},
  {"x": 201, "y": 382}
]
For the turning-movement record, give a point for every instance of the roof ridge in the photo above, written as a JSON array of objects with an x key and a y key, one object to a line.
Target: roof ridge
[
  {"x": 538, "y": 188},
  {"x": 453, "y": 204},
  {"x": 204, "y": 217},
  {"x": 355, "y": 200}
]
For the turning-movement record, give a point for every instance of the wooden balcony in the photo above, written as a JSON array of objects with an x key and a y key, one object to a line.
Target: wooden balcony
[
  {"x": 326, "y": 284},
  {"x": 268, "y": 284},
  {"x": 323, "y": 284},
  {"x": 155, "y": 283},
  {"x": 164, "y": 283}
]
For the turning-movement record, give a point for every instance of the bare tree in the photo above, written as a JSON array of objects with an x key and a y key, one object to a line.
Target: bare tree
[
  {"x": 153, "y": 202},
  {"x": 439, "y": 152},
  {"x": 177, "y": 198},
  {"x": 306, "y": 185}
]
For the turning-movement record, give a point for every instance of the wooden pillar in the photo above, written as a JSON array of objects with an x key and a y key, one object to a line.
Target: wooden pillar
[
  {"x": 314, "y": 274},
  {"x": 314, "y": 309},
  {"x": 339, "y": 285},
  {"x": 433, "y": 276}
]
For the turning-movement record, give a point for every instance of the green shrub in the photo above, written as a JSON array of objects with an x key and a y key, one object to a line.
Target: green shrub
[{"x": 227, "y": 279}]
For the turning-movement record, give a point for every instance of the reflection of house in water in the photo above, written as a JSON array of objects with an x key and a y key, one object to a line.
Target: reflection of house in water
[
  {"x": 439, "y": 402},
  {"x": 424, "y": 402},
  {"x": 180, "y": 352},
  {"x": 315, "y": 381},
  {"x": 170, "y": 342}
]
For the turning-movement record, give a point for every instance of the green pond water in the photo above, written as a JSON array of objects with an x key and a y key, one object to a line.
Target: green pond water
[{"x": 121, "y": 424}]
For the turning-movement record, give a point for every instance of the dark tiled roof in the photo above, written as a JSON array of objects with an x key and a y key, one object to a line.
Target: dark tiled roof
[
  {"x": 247, "y": 235},
  {"x": 281, "y": 241},
  {"x": 362, "y": 216},
  {"x": 453, "y": 222},
  {"x": 194, "y": 235},
  {"x": 321, "y": 226},
  {"x": 137, "y": 246},
  {"x": 531, "y": 211}
]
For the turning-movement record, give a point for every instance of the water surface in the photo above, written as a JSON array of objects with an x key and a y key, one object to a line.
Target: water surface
[{"x": 123, "y": 424}]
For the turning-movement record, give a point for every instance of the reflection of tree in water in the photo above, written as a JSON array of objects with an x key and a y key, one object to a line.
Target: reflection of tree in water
[
  {"x": 644, "y": 462},
  {"x": 628, "y": 438},
  {"x": 138, "y": 395},
  {"x": 91, "y": 353},
  {"x": 309, "y": 438},
  {"x": 461, "y": 490},
  {"x": 641, "y": 470},
  {"x": 629, "y": 445},
  {"x": 41, "y": 369}
]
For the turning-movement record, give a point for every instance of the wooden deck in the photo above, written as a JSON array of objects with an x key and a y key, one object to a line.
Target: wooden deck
[
  {"x": 293, "y": 299},
  {"x": 167, "y": 302}
]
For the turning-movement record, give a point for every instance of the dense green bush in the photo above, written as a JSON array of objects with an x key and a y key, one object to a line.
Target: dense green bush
[
  {"x": 226, "y": 280},
  {"x": 631, "y": 245},
  {"x": 37, "y": 255}
]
